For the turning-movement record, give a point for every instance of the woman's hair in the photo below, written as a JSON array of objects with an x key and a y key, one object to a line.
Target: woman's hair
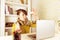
[{"x": 21, "y": 10}]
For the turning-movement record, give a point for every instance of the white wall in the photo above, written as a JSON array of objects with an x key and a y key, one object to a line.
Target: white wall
[{"x": 49, "y": 9}]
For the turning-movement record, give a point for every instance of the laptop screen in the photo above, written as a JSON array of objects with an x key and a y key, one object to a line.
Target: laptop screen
[{"x": 45, "y": 29}]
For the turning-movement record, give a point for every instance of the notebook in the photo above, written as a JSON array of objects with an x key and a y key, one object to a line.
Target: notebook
[{"x": 45, "y": 29}]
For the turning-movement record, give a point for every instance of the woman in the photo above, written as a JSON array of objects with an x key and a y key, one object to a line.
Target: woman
[{"x": 22, "y": 25}]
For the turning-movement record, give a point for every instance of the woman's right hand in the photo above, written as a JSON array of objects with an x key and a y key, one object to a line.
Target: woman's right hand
[{"x": 19, "y": 31}]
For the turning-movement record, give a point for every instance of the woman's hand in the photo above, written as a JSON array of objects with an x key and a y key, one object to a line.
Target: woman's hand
[{"x": 19, "y": 31}]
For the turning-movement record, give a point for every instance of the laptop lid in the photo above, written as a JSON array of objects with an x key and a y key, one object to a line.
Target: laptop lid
[{"x": 45, "y": 29}]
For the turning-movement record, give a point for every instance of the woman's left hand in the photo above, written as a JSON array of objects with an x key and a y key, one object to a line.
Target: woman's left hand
[{"x": 19, "y": 31}]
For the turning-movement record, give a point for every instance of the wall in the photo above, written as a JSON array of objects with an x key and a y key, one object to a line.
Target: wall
[{"x": 49, "y": 9}]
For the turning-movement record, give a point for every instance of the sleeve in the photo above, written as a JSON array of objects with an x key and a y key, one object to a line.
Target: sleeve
[{"x": 13, "y": 28}]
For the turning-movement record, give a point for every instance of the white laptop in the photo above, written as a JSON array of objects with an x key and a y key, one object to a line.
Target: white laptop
[{"x": 45, "y": 29}]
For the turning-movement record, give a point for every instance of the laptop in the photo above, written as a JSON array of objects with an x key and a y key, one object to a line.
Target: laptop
[{"x": 45, "y": 29}]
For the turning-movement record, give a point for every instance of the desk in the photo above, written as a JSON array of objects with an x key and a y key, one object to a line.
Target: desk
[
  {"x": 56, "y": 37},
  {"x": 23, "y": 37},
  {"x": 26, "y": 36}
]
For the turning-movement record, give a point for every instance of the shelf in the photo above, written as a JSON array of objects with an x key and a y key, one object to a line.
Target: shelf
[
  {"x": 8, "y": 27},
  {"x": 11, "y": 15},
  {"x": 13, "y": 3}
]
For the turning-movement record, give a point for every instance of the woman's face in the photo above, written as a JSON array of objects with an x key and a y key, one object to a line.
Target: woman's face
[{"x": 22, "y": 16}]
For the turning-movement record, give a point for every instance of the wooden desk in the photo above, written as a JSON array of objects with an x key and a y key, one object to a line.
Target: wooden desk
[
  {"x": 26, "y": 36},
  {"x": 23, "y": 37}
]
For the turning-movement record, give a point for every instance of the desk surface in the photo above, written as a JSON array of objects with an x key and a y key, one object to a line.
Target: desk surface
[
  {"x": 56, "y": 37},
  {"x": 23, "y": 37},
  {"x": 26, "y": 36}
]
